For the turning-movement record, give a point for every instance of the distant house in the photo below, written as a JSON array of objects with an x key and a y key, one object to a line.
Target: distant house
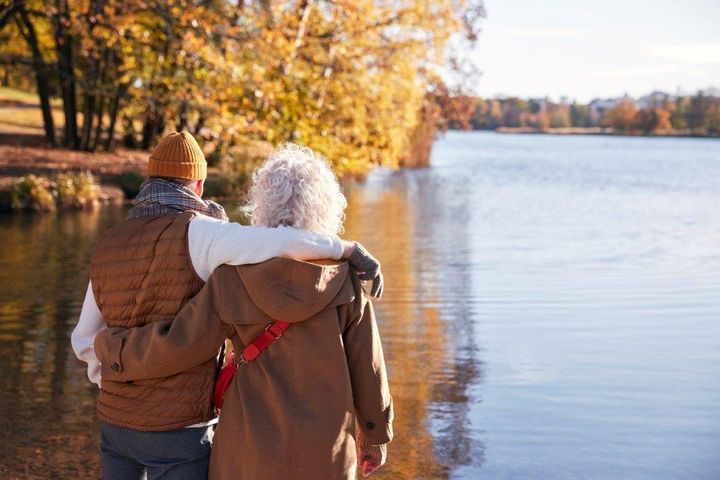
[
  {"x": 538, "y": 105},
  {"x": 599, "y": 106},
  {"x": 655, "y": 99}
]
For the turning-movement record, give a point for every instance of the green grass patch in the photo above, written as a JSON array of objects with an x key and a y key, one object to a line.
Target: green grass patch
[
  {"x": 20, "y": 112},
  {"x": 13, "y": 95}
]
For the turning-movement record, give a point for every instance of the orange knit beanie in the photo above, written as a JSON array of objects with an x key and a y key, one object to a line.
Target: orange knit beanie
[{"x": 179, "y": 156}]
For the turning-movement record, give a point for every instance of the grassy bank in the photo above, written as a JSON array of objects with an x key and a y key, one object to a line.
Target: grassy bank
[
  {"x": 62, "y": 191},
  {"x": 35, "y": 177},
  {"x": 31, "y": 171},
  {"x": 86, "y": 184}
]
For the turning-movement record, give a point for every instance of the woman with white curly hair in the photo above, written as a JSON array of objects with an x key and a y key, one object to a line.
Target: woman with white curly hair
[
  {"x": 305, "y": 393},
  {"x": 296, "y": 187}
]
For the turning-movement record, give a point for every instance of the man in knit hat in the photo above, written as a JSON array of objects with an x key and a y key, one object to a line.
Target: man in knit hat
[{"x": 146, "y": 269}]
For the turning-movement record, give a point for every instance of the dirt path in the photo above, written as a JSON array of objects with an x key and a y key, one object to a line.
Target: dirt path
[{"x": 20, "y": 160}]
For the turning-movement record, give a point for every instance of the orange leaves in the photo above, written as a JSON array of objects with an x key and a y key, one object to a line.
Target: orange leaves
[
  {"x": 347, "y": 77},
  {"x": 621, "y": 117}
]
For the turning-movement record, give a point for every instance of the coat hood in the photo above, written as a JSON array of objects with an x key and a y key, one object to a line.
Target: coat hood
[{"x": 293, "y": 290}]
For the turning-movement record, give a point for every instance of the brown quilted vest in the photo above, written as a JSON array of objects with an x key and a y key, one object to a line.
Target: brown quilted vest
[{"x": 141, "y": 273}]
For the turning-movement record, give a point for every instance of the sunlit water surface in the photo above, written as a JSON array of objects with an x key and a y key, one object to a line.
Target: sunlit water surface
[{"x": 552, "y": 311}]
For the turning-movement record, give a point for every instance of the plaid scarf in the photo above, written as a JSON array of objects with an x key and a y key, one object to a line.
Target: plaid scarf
[{"x": 158, "y": 196}]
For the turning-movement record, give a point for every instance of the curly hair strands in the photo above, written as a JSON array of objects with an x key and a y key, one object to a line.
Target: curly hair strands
[{"x": 296, "y": 187}]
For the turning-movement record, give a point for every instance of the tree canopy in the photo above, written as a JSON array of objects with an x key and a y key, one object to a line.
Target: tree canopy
[{"x": 353, "y": 79}]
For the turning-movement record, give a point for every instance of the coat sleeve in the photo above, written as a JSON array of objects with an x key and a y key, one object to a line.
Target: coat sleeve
[
  {"x": 165, "y": 347},
  {"x": 371, "y": 393}
]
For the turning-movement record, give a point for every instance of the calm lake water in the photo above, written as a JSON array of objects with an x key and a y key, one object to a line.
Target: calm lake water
[{"x": 552, "y": 311}]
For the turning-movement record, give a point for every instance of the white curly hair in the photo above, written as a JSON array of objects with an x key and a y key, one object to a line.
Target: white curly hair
[{"x": 296, "y": 187}]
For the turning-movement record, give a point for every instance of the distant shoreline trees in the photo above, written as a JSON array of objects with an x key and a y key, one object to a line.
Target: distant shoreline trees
[{"x": 654, "y": 114}]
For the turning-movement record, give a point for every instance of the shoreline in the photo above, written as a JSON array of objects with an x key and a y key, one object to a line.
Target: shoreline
[
  {"x": 119, "y": 174},
  {"x": 116, "y": 175},
  {"x": 590, "y": 131}
]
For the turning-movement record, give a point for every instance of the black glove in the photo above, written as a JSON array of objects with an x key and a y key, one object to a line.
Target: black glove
[{"x": 368, "y": 268}]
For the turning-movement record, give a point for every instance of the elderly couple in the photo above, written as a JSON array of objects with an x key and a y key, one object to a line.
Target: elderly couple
[{"x": 306, "y": 389}]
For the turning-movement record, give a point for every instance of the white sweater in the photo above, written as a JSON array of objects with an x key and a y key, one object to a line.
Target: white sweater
[{"x": 212, "y": 243}]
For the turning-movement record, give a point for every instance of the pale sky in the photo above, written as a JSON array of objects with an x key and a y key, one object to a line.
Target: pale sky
[{"x": 597, "y": 48}]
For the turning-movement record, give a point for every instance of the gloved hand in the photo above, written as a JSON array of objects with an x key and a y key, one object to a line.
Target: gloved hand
[
  {"x": 368, "y": 267},
  {"x": 370, "y": 457}
]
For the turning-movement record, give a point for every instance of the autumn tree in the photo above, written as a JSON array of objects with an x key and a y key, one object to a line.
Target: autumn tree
[
  {"x": 457, "y": 111},
  {"x": 512, "y": 112},
  {"x": 488, "y": 114},
  {"x": 350, "y": 79},
  {"x": 652, "y": 120},
  {"x": 621, "y": 117},
  {"x": 678, "y": 115},
  {"x": 712, "y": 116},
  {"x": 559, "y": 116},
  {"x": 95, "y": 50},
  {"x": 580, "y": 115}
]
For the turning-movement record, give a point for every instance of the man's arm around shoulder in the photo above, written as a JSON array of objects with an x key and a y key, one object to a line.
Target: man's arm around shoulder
[{"x": 212, "y": 243}]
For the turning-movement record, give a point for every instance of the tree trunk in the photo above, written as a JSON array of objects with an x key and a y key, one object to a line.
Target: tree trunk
[
  {"x": 99, "y": 111},
  {"x": 7, "y": 12},
  {"x": 88, "y": 109},
  {"x": 66, "y": 70},
  {"x": 94, "y": 78},
  {"x": 129, "y": 137},
  {"x": 41, "y": 71},
  {"x": 114, "y": 110},
  {"x": 99, "y": 101},
  {"x": 146, "y": 132},
  {"x": 200, "y": 123},
  {"x": 154, "y": 124},
  {"x": 182, "y": 114},
  {"x": 304, "y": 8}
]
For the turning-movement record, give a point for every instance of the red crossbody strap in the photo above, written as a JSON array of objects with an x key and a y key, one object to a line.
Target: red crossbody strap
[
  {"x": 272, "y": 332},
  {"x": 252, "y": 351}
]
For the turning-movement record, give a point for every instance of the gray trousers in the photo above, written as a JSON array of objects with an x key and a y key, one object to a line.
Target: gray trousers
[{"x": 175, "y": 455}]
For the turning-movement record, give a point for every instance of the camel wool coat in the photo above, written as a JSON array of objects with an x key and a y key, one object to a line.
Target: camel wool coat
[{"x": 297, "y": 410}]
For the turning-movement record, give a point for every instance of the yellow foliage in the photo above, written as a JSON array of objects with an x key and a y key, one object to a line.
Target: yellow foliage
[{"x": 347, "y": 78}]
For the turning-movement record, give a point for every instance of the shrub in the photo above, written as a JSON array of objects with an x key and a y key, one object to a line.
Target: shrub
[
  {"x": 130, "y": 183},
  {"x": 241, "y": 161},
  {"x": 87, "y": 191},
  {"x": 221, "y": 186},
  {"x": 236, "y": 165},
  {"x": 33, "y": 193},
  {"x": 77, "y": 192},
  {"x": 6, "y": 201},
  {"x": 69, "y": 191}
]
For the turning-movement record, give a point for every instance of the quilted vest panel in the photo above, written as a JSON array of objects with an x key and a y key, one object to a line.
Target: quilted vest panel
[{"x": 141, "y": 272}]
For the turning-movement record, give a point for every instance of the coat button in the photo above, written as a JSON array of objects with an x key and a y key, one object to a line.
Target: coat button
[
  {"x": 115, "y": 367},
  {"x": 370, "y": 426}
]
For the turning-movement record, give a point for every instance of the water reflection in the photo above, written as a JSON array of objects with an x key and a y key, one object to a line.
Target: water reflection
[
  {"x": 444, "y": 220},
  {"x": 407, "y": 327},
  {"x": 48, "y": 420},
  {"x": 427, "y": 322},
  {"x": 551, "y": 312},
  {"x": 48, "y": 424}
]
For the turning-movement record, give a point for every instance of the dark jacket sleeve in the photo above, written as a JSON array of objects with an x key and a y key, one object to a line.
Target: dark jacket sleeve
[
  {"x": 371, "y": 393},
  {"x": 165, "y": 347}
]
